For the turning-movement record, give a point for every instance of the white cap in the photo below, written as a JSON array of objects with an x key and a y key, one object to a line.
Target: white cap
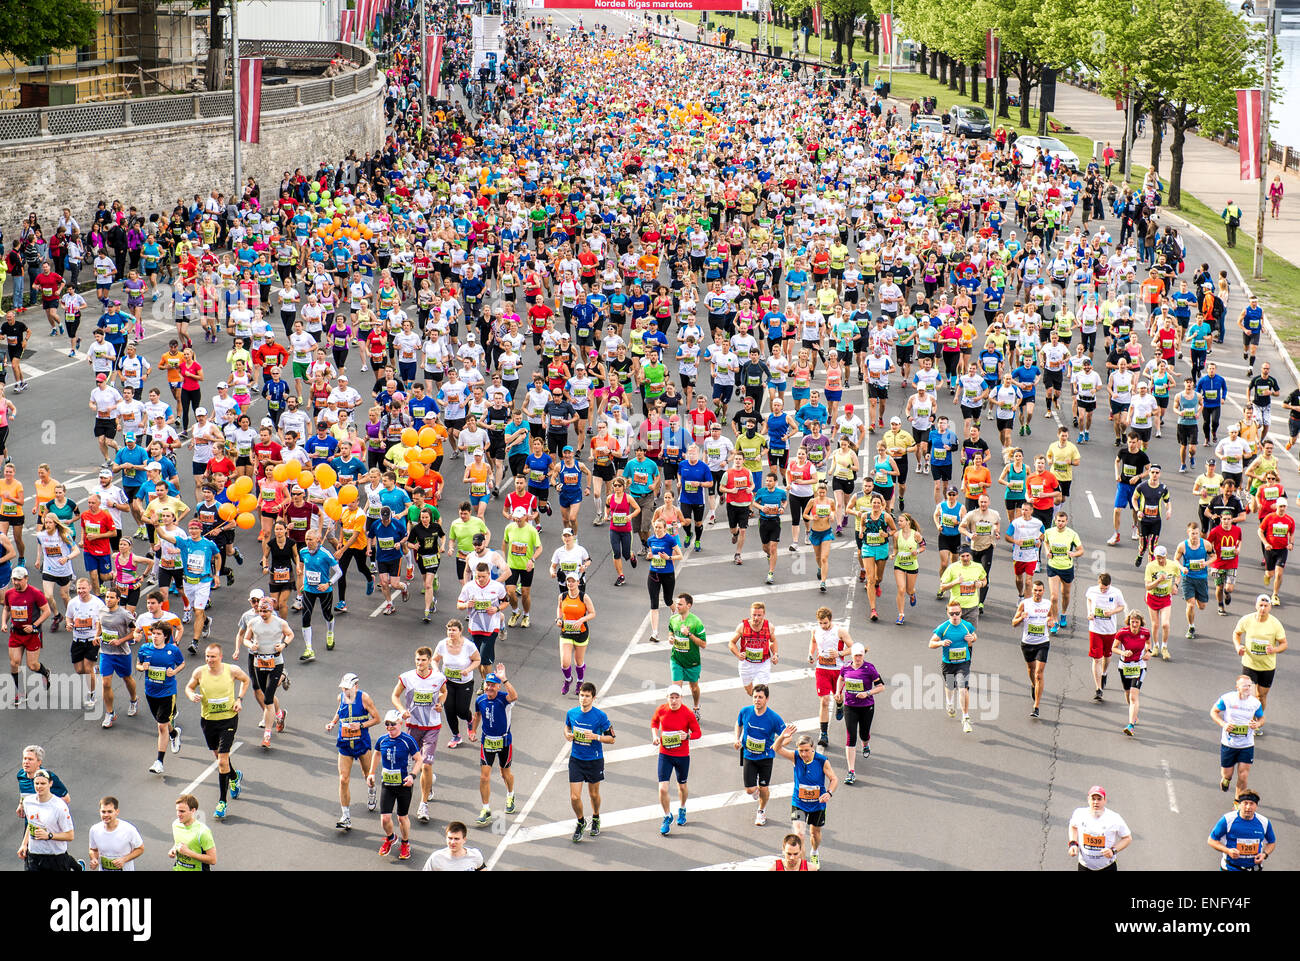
[
  {"x": 201, "y": 412},
  {"x": 19, "y": 572},
  {"x": 519, "y": 512},
  {"x": 267, "y": 422},
  {"x": 105, "y": 472},
  {"x": 1162, "y": 551},
  {"x": 349, "y": 680},
  {"x": 894, "y": 420},
  {"x": 675, "y": 689},
  {"x": 393, "y": 715},
  {"x": 858, "y": 648},
  {"x": 1280, "y": 500},
  {"x": 1261, "y": 597},
  {"x": 222, "y": 384},
  {"x": 255, "y": 594},
  {"x": 153, "y": 465}
]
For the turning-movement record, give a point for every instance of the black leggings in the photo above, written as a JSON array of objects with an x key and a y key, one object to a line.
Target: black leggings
[
  {"x": 353, "y": 554},
  {"x": 857, "y": 721},
  {"x": 620, "y": 544},
  {"x": 797, "y": 505},
  {"x": 457, "y": 706},
  {"x": 984, "y": 559},
  {"x": 309, "y": 599},
  {"x": 1210, "y": 421},
  {"x": 661, "y": 582},
  {"x": 190, "y": 399}
]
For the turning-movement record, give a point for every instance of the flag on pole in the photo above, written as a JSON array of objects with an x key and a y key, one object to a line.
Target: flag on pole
[
  {"x": 817, "y": 18},
  {"x": 887, "y": 34},
  {"x": 250, "y": 99},
  {"x": 992, "y": 55},
  {"x": 433, "y": 62},
  {"x": 1250, "y": 106},
  {"x": 345, "y": 27}
]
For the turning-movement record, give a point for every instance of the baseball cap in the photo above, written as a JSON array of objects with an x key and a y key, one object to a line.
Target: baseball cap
[
  {"x": 105, "y": 472},
  {"x": 848, "y": 408},
  {"x": 342, "y": 378},
  {"x": 255, "y": 594},
  {"x": 153, "y": 465},
  {"x": 394, "y": 716},
  {"x": 675, "y": 689},
  {"x": 19, "y": 572},
  {"x": 953, "y": 490},
  {"x": 1096, "y": 789},
  {"x": 858, "y": 648},
  {"x": 1162, "y": 551},
  {"x": 222, "y": 384},
  {"x": 1264, "y": 597},
  {"x": 100, "y": 378},
  {"x": 894, "y": 420},
  {"x": 492, "y": 678},
  {"x": 964, "y": 549},
  {"x": 349, "y": 680},
  {"x": 201, "y": 412},
  {"x": 1280, "y": 500},
  {"x": 479, "y": 539},
  {"x": 519, "y": 512}
]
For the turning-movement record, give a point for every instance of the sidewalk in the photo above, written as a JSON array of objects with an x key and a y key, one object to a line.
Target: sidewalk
[{"x": 1210, "y": 171}]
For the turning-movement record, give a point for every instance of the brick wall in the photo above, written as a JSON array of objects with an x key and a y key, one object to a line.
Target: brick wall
[{"x": 151, "y": 167}]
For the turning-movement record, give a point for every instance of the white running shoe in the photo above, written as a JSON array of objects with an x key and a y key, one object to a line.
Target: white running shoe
[
  {"x": 156, "y": 767},
  {"x": 760, "y": 818},
  {"x": 423, "y": 813},
  {"x": 965, "y": 725},
  {"x": 132, "y": 709}
]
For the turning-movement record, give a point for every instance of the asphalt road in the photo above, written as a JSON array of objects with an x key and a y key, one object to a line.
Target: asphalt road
[{"x": 930, "y": 797}]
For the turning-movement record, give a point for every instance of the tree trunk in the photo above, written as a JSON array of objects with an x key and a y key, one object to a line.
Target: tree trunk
[
  {"x": 924, "y": 54},
  {"x": 1139, "y": 104},
  {"x": 214, "y": 73},
  {"x": 852, "y": 39},
  {"x": 837, "y": 25},
  {"x": 1024, "y": 70},
  {"x": 975, "y": 83},
  {"x": 1003, "y": 84},
  {"x": 807, "y": 37},
  {"x": 960, "y": 71},
  {"x": 943, "y": 68},
  {"x": 1179, "y": 123},
  {"x": 1157, "y": 135},
  {"x": 935, "y": 57}
]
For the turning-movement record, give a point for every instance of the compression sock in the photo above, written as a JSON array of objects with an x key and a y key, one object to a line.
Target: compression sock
[
  {"x": 306, "y": 638},
  {"x": 582, "y": 673},
  {"x": 568, "y": 673},
  {"x": 160, "y": 756},
  {"x": 825, "y": 725},
  {"x": 223, "y": 782}
]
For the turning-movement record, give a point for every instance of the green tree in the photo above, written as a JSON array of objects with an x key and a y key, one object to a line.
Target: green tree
[{"x": 36, "y": 28}]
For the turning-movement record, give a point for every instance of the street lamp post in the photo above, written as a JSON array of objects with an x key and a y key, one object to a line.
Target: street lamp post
[{"x": 1270, "y": 31}]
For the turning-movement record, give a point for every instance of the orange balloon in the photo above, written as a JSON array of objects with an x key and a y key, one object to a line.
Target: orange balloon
[
  {"x": 333, "y": 509},
  {"x": 280, "y": 473},
  {"x": 326, "y": 475},
  {"x": 415, "y": 471},
  {"x": 292, "y": 469},
  {"x": 347, "y": 494},
  {"x": 247, "y": 503},
  {"x": 227, "y": 512},
  {"x": 410, "y": 438},
  {"x": 428, "y": 437},
  {"x": 242, "y": 486},
  {"x": 245, "y": 520},
  {"x": 427, "y": 456}
]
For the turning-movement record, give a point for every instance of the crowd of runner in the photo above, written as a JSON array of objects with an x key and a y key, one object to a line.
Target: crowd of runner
[{"x": 632, "y": 303}]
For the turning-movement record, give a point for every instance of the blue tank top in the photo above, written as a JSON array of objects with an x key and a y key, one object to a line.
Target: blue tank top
[
  {"x": 809, "y": 783},
  {"x": 777, "y": 429},
  {"x": 353, "y": 713},
  {"x": 1195, "y": 561},
  {"x": 571, "y": 481},
  {"x": 1187, "y": 409},
  {"x": 1254, "y": 315},
  {"x": 949, "y": 518}
]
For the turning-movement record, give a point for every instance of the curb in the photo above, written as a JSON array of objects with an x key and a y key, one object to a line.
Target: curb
[{"x": 1241, "y": 282}]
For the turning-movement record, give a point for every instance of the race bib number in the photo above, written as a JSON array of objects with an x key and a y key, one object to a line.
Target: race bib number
[
  {"x": 422, "y": 697},
  {"x": 956, "y": 656},
  {"x": 671, "y": 739},
  {"x": 1130, "y": 670},
  {"x": 392, "y": 778},
  {"x": 755, "y": 745}
]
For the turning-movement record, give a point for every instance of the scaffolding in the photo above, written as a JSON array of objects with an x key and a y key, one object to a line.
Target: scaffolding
[{"x": 141, "y": 48}]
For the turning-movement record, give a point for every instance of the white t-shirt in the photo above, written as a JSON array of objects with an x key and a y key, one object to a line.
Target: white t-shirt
[
  {"x": 442, "y": 860},
  {"x": 115, "y": 844},
  {"x": 1095, "y": 834}
]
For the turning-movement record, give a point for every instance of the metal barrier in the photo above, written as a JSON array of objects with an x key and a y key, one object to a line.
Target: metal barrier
[{"x": 47, "y": 122}]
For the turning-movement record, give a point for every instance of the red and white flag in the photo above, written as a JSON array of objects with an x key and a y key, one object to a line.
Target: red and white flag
[
  {"x": 1250, "y": 107},
  {"x": 250, "y": 99},
  {"x": 345, "y": 26},
  {"x": 817, "y": 18},
  {"x": 992, "y": 55},
  {"x": 433, "y": 63},
  {"x": 887, "y": 34}
]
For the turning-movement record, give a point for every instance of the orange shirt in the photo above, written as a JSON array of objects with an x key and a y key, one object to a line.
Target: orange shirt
[
  {"x": 478, "y": 479},
  {"x": 1152, "y": 288},
  {"x": 431, "y": 483},
  {"x": 44, "y": 493},
  {"x": 976, "y": 481},
  {"x": 171, "y": 363},
  {"x": 11, "y": 498},
  {"x": 603, "y": 449},
  {"x": 353, "y": 532}
]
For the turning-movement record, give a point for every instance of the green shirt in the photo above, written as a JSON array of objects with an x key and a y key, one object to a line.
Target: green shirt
[
  {"x": 752, "y": 449},
  {"x": 462, "y": 534},
  {"x": 1059, "y": 545},
  {"x": 197, "y": 836},
  {"x": 960, "y": 580},
  {"x": 519, "y": 545},
  {"x": 685, "y": 652}
]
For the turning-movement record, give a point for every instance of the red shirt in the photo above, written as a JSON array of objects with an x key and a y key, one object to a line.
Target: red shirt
[
  {"x": 263, "y": 453},
  {"x": 682, "y": 722},
  {"x": 1047, "y": 483},
  {"x": 752, "y": 640},
  {"x": 537, "y": 314},
  {"x": 24, "y": 606},
  {"x": 701, "y": 421},
  {"x": 270, "y": 355},
  {"x": 1133, "y": 644},
  {"x": 48, "y": 284},
  {"x": 1168, "y": 338},
  {"x": 525, "y": 500},
  {"x": 189, "y": 375},
  {"x": 98, "y": 528},
  {"x": 1226, "y": 546},
  {"x": 221, "y": 464},
  {"x": 742, "y": 482},
  {"x": 1278, "y": 529}
]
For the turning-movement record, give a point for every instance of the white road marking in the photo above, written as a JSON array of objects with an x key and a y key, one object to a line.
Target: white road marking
[
  {"x": 648, "y": 812},
  {"x": 709, "y": 740},
  {"x": 750, "y": 864},
  {"x": 1169, "y": 786},
  {"x": 1093, "y": 504},
  {"x": 708, "y": 687},
  {"x": 742, "y": 592},
  {"x": 801, "y": 627},
  {"x": 189, "y": 788}
]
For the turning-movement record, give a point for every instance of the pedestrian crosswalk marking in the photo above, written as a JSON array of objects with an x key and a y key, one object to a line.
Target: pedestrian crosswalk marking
[
  {"x": 721, "y": 738},
  {"x": 708, "y": 687}
]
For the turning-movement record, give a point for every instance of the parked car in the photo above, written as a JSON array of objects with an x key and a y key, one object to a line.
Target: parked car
[
  {"x": 929, "y": 125},
  {"x": 971, "y": 121},
  {"x": 1031, "y": 147}
]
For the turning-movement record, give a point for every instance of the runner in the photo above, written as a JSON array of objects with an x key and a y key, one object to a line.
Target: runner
[
  {"x": 457, "y": 658},
  {"x": 754, "y": 646},
  {"x": 954, "y": 637},
  {"x": 212, "y": 687},
  {"x": 418, "y": 697},
  {"x": 1159, "y": 581},
  {"x": 1243, "y": 836},
  {"x": 827, "y": 646},
  {"x": 814, "y": 785},
  {"x": 1133, "y": 643},
  {"x": 1259, "y": 638},
  {"x": 266, "y": 635},
  {"x": 671, "y": 731},
  {"x": 1034, "y": 612},
  {"x": 1240, "y": 715},
  {"x": 355, "y": 714},
  {"x": 588, "y": 730},
  {"x": 394, "y": 752},
  {"x": 193, "y": 846},
  {"x": 1097, "y": 835},
  {"x": 757, "y": 729},
  {"x": 855, "y": 694},
  {"x": 115, "y": 844},
  {"x": 1191, "y": 557},
  {"x": 25, "y": 610},
  {"x": 455, "y": 856},
  {"x": 49, "y": 829},
  {"x": 1103, "y": 602},
  {"x": 492, "y": 715},
  {"x": 161, "y": 661}
]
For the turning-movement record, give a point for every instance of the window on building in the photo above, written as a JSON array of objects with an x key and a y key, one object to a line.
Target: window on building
[{"x": 88, "y": 52}]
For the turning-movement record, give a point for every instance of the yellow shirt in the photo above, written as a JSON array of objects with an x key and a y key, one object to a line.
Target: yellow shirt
[
  {"x": 1061, "y": 460},
  {"x": 897, "y": 443},
  {"x": 1256, "y": 635}
]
